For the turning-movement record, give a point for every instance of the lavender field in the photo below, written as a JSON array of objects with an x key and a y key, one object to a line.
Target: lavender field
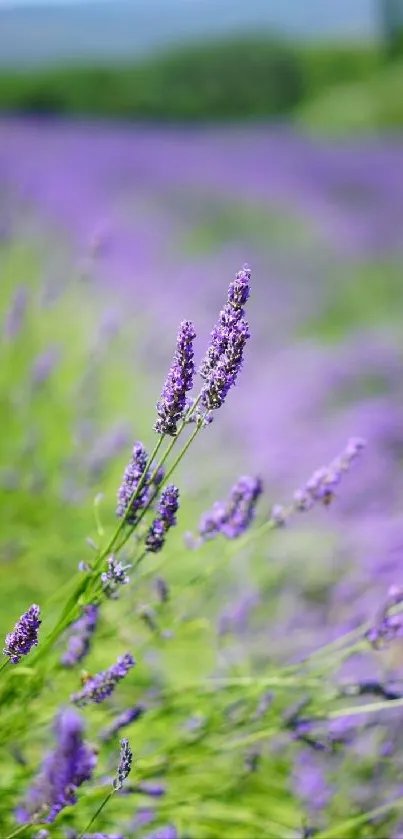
[{"x": 282, "y": 623}]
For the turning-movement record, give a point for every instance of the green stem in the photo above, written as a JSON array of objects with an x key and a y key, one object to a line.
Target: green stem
[
  {"x": 96, "y": 814},
  {"x": 20, "y": 830},
  {"x": 335, "y": 832},
  {"x": 4, "y": 664}
]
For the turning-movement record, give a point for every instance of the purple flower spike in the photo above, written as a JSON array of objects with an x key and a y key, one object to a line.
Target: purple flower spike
[
  {"x": 80, "y": 637},
  {"x": 321, "y": 486},
  {"x": 233, "y": 517},
  {"x": 173, "y": 401},
  {"x": 121, "y": 721},
  {"x": 125, "y": 764},
  {"x": 114, "y": 577},
  {"x": 165, "y": 519},
  {"x": 131, "y": 480},
  {"x": 63, "y": 771},
  {"x": 168, "y": 831},
  {"x": 223, "y": 359},
  {"x": 24, "y": 636},
  {"x": 387, "y": 627},
  {"x": 102, "y": 685}
]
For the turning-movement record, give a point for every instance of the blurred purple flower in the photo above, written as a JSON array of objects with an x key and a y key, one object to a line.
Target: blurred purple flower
[
  {"x": 24, "y": 636},
  {"x": 387, "y": 627},
  {"x": 121, "y": 721},
  {"x": 44, "y": 365},
  {"x": 63, "y": 771},
  {"x": 168, "y": 831},
  {"x": 80, "y": 636},
  {"x": 99, "y": 687},
  {"x": 233, "y": 517},
  {"x": 15, "y": 315}
]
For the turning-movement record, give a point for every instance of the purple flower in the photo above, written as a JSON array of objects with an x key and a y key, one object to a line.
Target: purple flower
[
  {"x": 233, "y": 517},
  {"x": 114, "y": 577},
  {"x": 63, "y": 771},
  {"x": 172, "y": 404},
  {"x": 72, "y": 834},
  {"x": 24, "y": 636},
  {"x": 80, "y": 637},
  {"x": 162, "y": 590},
  {"x": 387, "y": 626},
  {"x": 44, "y": 365},
  {"x": 168, "y": 831},
  {"x": 125, "y": 764},
  {"x": 102, "y": 685},
  {"x": 165, "y": 519},
  {"x": 121, "y": 721},
  {"x": 224, "y": 356},
  {"x": 321, "y": 486},
  {"x": 127, "y": 508},
  {"x": 15, "y": 315},
  {"x": 150, "y": 788}
]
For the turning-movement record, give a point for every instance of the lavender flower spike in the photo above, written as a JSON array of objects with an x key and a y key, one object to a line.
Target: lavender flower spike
[
  {"x": 173, "y": 404},
  {"x": 24, "y": 636},
  {"x": 165, "y": 519},
  {"x": 224, "y": 356},
  {"x": 102, "y": 685},
  {"x": 233, "y": 517},
  {"x": 125, "y": 764},
  {"x": 167, "y": 831},
  {"x": 122, "y": 720},
  {"x": 63, "y": 771},
  {"x": 80, "y": 637},
  {"x": 114, "y": 577},
  {"x": 387, "y": 626},
  {"x": 131, "y": 479}
]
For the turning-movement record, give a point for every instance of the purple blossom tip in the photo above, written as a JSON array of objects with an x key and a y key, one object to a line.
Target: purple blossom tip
[
  {"x": 80, "y": 636},
  {"x": 114, "y": 577},
  {"x": 99, "y": 687},
  {"x": 129, "y": 507},
  {"x": 387, "y": 626},
  {"x": 173, "y": 402},
  {"x": 167, "y": 831},
  {"x": 223, "y": 360},
  {"x": 122, "y": 720},
  {"x": 165, "y": 519},
  {"x": 125, "y": 764},
  {"x": 24, "y": 636}
]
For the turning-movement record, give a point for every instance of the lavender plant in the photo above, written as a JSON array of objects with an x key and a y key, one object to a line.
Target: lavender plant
[{"x": 225, "y": 752}]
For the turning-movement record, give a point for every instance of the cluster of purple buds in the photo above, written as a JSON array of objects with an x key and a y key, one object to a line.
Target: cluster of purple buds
[
  {"x": 63, "y": 771},
  {"x": 223, "y": 360},
  {"x": 162, "y": 590},
  {"x": 122, "y": 720},
  {"x": 151, "y": 788},
  {"x": 128, "y": 507},
  {"x": 173, "y": 402},
  {"x": 24, "y": 636},
  {"x": 80, "y": 636},
  {"x": 125, "y": 764},
  {"x": 322, "y": 485},
  {"x": 387, "y": 627},
  {"x": 233, "y": 517},
  {"x": 114, "y": 577},
  {"x": 72, "y": 834},
  {"x": 99, "y": 687},
  {"x": 165, "y": 519}
]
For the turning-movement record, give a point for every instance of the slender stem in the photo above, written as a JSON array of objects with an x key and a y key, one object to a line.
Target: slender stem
[
  {"x": 20, "y": 830},
  {"x": 4, "y": 664},
  {"x": 96, "y": 814},
  {"x": 335, "y": 832}
]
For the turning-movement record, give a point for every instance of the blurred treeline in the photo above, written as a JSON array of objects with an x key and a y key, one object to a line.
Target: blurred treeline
[{"x": 250, "y": 78}]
